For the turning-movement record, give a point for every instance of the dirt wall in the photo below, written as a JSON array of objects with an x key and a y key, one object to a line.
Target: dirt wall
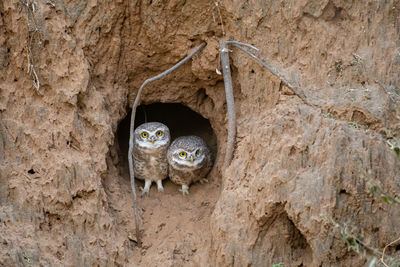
[{"x": 308, "y": 165}]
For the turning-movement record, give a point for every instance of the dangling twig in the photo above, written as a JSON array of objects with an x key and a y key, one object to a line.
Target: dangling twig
[
  {"x": 229, "y": 90},
  {"x": 268, "y": 67},
  {"x": 243, "y": 44},
  {"x": 220, "y": 18},
  {"x": 383, "y": 252},
  {"x": 230, "y": 102},
  {"x": 131, "y": 147}
]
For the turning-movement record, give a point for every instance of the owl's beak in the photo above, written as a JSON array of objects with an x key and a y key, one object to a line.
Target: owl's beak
[
  {"x": 191, "y": 159},
  {"x": 152, "y": 140}
]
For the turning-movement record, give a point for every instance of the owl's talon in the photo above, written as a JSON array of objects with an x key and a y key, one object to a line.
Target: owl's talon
[
  {"x": 160, "y": 188},
  {"x": 204, "y": 180},
  {"x": 184, "y": 190},
  {"x": 145, "y": 191}
]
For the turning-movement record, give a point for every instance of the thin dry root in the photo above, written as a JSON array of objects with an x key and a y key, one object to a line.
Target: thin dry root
[
  {"x": 230, "y": 102},
  {"x": 268, "y": 67}
]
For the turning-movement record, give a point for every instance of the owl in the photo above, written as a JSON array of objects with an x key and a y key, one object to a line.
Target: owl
[
  {"x": 152, "y": 140},
  {"x": 190, "y": 160}
]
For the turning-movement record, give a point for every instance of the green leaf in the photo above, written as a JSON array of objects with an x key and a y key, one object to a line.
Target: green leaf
[
  {"x": 387, "y": 199},
  {"x": 396, "y": 150}
]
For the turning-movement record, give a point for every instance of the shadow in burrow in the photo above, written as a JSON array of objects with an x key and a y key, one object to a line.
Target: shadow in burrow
[{"x": 181, "y": 121}]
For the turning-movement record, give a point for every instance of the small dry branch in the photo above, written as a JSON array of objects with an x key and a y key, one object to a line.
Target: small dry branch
[
  {"x": 268, "y": 67},
  {"x": 34, "y": 34},
  {"x": 132, "y": 126},
  {"x": 32, "y": 71},
  {"x": 230, "y": 102},
  {"x": 220, "y": 18},
  {"x": 382, "y": 259},
  {"x": 226, "y": 70},
  {"x": 354, "y": 243}
]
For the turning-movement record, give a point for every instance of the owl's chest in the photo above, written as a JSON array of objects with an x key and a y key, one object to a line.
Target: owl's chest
[
  {"x": 185, "y": 176},
  {"x": 150, "y": 165},
  {"x": 153, "y": 161}
]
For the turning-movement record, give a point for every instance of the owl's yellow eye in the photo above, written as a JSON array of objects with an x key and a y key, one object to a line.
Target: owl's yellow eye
[
  {"x": 145, "y": 134},
  {"x": 159, "y": 133},
  {"x": 182, "y": 154}
]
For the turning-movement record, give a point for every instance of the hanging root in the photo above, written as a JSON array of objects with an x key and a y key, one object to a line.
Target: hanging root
[
  {"x": 34, "y": 39},
  {"x": 130, "y": 153},
  {"x": 220, "y": 18},
  {"x": 230, "y": 102},
  {"x": 268, "y": 67},
  {"x": 382, "y": 259},
  {"x": 226, "y": 69}
]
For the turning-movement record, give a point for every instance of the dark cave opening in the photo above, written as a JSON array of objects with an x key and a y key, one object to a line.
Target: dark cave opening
[{"x": 180, "y": 120}]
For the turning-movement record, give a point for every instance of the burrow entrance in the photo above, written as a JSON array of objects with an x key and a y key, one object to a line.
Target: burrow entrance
[{"x": 180, "y": 120}]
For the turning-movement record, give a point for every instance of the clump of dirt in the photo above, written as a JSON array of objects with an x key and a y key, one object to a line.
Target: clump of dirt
[{"x": 310, "y": 168}]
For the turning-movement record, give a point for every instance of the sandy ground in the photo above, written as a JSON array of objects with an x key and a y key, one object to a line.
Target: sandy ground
[{"x": 302, "y": 157}]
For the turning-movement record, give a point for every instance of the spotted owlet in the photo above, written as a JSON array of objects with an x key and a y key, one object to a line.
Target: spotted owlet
[
  {"x": 190, "y": 160},
  {"x": 150, "y": 154}
]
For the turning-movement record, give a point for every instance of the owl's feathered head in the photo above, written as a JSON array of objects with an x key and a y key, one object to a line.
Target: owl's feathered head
[
  {"x": 188, "y": 152},
  {"x": 152, "y": 135}
]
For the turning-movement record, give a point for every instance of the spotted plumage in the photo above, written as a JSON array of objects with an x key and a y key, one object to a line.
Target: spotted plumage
[
  {"x": 190, "y": 160},
  {"x": 152, "y": 140}
]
